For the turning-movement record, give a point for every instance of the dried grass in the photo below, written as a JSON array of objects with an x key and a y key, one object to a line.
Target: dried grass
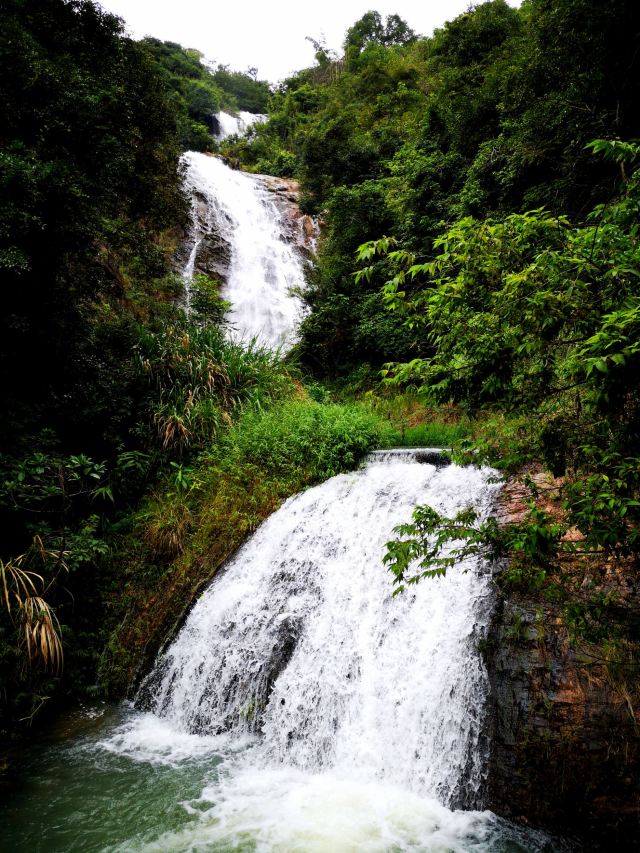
[
  {"x": 39, "y": 628},
  {"x": 166, "y": 530}
]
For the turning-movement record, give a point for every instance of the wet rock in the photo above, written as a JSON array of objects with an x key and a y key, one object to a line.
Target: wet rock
[
  {"x": 213, "y": 252},
  {"x": 300, "y": 229},
  {"x": 564, "y": 714},
  {"x": 213, "y": 257},
  {"x": 433, "y": 456}
]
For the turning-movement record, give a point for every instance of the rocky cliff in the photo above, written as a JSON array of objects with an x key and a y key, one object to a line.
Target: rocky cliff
[{"x": 565, "y": 710}]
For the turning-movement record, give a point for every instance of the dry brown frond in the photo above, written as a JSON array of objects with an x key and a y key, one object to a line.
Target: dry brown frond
[
  {"x": 172, "y": 429},
  {"x": 41, "y": 633},
  {"x": 39, "y": 628},
  {"x": 17, "y": 583}
]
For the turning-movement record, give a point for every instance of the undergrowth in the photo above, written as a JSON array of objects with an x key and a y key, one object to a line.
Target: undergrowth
[
  {"x": 406, "y": 419},
  {"x": 182, "y": 535}
]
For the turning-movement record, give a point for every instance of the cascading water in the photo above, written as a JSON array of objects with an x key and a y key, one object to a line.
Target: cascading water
[
  {"x": 301, "y": 639},
  {"x": 264, "y": 267},
  {"x": 235, "y": 125},
  {"x": 302, "y": 707}
]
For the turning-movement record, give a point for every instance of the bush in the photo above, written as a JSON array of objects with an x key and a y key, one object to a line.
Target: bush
[{"x": 319, "y": 440}]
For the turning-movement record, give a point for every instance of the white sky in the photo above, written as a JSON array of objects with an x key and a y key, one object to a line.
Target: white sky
[{"x": 269, "y": 35}]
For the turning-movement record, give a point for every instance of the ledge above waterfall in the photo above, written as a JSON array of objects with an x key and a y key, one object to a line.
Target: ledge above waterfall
[{"x": 438, "y": 456}]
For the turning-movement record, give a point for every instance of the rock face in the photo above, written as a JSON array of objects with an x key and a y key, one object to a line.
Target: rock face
[
  {"x": 565, "y": 751},
  {"x": 299, "y": 228},
  {"x": 213, "y": 253},
  {"x": 564, "y": 714}
]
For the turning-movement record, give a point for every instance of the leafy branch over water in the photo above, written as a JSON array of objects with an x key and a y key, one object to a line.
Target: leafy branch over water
[
  {"x": 533, "y": 325},
  {"x": 425, "y": 539}
]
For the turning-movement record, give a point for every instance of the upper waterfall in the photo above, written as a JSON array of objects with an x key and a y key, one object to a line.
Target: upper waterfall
[
  {"x": 254, "y": 253},
  {"x": 235, "y": 125}
]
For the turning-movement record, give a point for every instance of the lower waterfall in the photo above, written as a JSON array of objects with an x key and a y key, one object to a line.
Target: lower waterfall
[
  {"x": 301, "y": 641},
  {"x": 301, "y": 708}
]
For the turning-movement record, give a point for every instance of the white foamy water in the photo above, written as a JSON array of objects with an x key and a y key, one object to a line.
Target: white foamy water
[
  {"x": 236, "y": 125},
  {"x": 346, "y": 719},
  {"x": 264, "y": 267},
  {"x": 149, "y": 738},
  {"x": 301, "y": 640},
  {"x": 292, "y": 812}
]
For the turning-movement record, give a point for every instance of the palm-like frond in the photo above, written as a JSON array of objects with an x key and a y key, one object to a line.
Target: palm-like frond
[
  {"x": 41, "y": 633},
  {"x": 22, "y": 595}
]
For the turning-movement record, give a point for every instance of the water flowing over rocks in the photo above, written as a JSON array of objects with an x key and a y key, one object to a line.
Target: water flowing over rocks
[
  {"x": 248, "y": 233},
  {"x": 213, "y": 251},
  {"x": 298, "y": 227},
  {"x": 300, "y": 641}
]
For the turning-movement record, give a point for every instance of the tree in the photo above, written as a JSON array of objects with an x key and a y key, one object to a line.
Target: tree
[
  {"x": 538, "y": 319},
  {"x": 370, "y": 30}
]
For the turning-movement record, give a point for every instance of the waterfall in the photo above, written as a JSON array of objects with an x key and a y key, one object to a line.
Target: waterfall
[
  {"x": 301, "y": 708},
  {"x": 235, "y": 125},
  {"x": 300, "y": 643},
  {"x": 261, "y": 265}
]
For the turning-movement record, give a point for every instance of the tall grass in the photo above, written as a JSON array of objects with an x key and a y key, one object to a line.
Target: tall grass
[
  {"x": 198, "y": 380},
  {"x": 433, "y": 434},
  {"x": 301, "y": 435},
  {"x": 182, "y": 537},
  {"x": 408, "y": 420}
]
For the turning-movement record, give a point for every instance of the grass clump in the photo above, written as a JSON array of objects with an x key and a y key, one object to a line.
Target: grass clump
[
  {"x": 198, "y": 380},
  {"x": 184, "y": 534},
  {"x": 406, "y": 420},
  {"x": 434, "y": 434},
  {"x": 311, "y": 439}
]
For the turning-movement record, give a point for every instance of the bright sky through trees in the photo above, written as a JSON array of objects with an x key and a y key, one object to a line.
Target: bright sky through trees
[{"x": 269, "y": 35}]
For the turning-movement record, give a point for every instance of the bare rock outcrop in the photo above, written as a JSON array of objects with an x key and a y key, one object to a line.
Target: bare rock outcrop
[
  {"x": 300, "y": 228},
  {"x": 565, "y": 712}
]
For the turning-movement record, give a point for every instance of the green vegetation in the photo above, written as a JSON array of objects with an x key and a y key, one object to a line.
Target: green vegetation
[
  {"x": 242, "y": 91},
  {"x": 536, "y": 318},
  {"x": 404, "y": 136},
  {"x": 91, "y": 212},
  {"x": 434, "y": 434},
  {"x": 139, "y": 447},
  {"x": 199, "y": 92}
]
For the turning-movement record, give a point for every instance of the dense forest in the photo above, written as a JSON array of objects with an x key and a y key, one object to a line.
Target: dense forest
[
  {"x": 479, "y": 264},
  {"x": 403, "y": 136}
]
